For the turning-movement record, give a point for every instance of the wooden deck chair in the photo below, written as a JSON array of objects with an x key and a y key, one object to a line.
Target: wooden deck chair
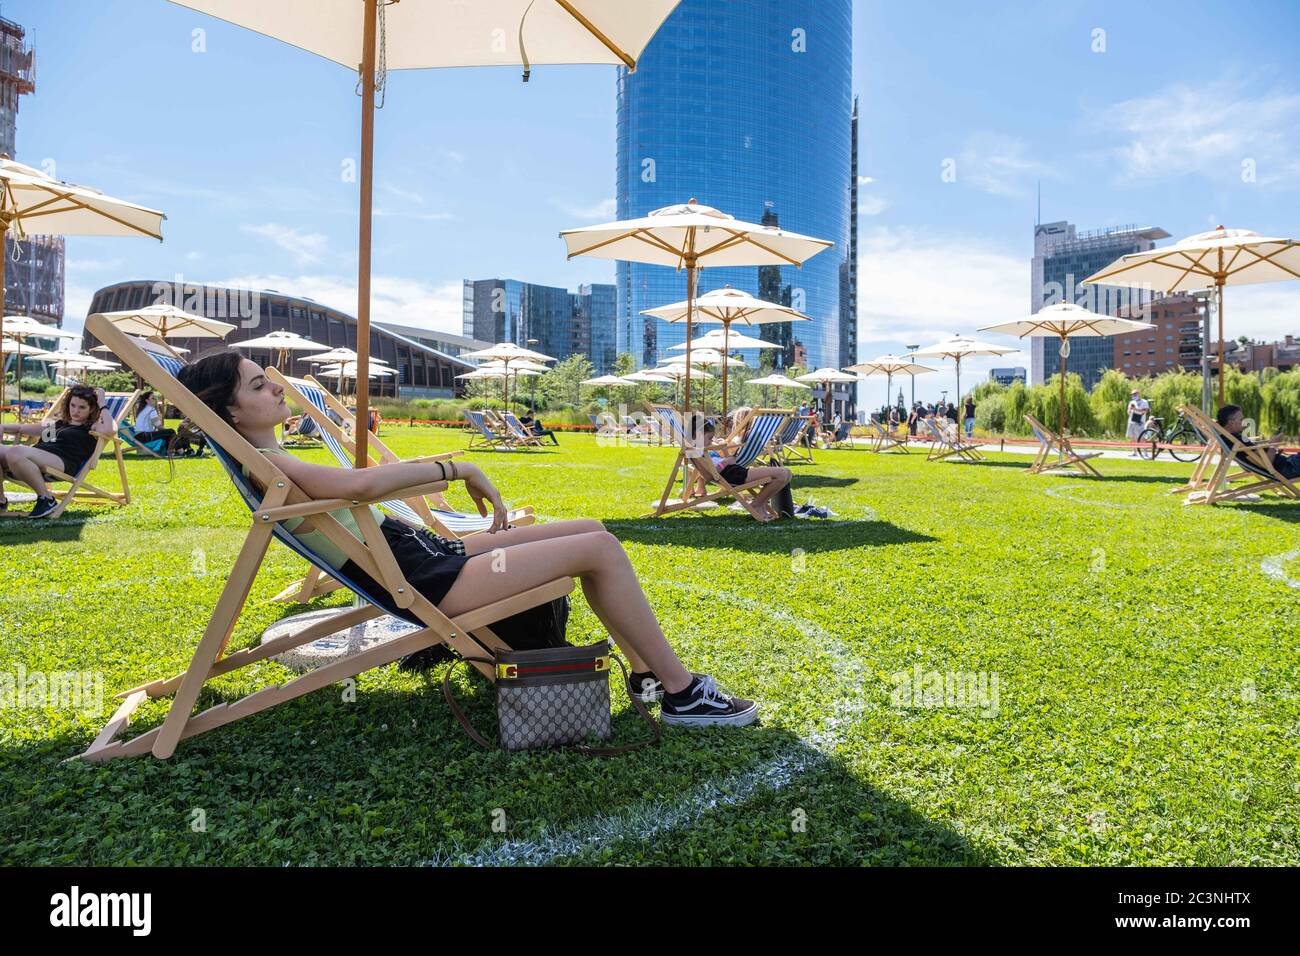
[
  {"x": 469, "y": 633},
  {"x": 118, "y": 405},
  {"x": 1207, "y": 468},
  {"x": 788, "y": 444},
  {"x": 1252, "y": 462},
  {"x": 430, "y": 511},
  {"x": 885, "y": 440},
  {"x": 1055, "y": 452},
  {"x": 484, "y": 434},
  {"x": 522, "y": 437},
  {"x": 693, "y": 458},
  {"x": 946, "y": 444},
  {"x": 843, "y": 437}
]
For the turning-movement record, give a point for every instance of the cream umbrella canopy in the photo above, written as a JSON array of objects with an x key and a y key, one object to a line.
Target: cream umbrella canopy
[
  {"x": 889, "y": 366},
  {"x": 730, "y": 306},
  {"x": 708, "y": 357},
  {"x": 1065, "y": 320},
  {"x": 1207, "y": 260},
  {"x": 282, "y": 343},
  {"x": 32, "y": 203},
  {"x": 958, "y": 348},
  {"x": 19, "y": 327},
  {"x": 719, "y": 341},
  {"x": 608, "y": 381},
  {"x": 165, "y": 321},
  {"x": 373, "y": 37},
  {"x": 505, "y": 353},
  {"x": 692, "y": 236},
  {"x": 826, "y": 376},
  {"x": 778, "y": 381}
]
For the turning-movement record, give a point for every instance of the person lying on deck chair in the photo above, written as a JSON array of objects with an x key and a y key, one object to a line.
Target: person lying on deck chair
[
  {"x": 1230, "y": 419},
  {"x": 65, "y": 444},
  {"x": 738, "y": 474},
  {"x": 460, "y": 575}
]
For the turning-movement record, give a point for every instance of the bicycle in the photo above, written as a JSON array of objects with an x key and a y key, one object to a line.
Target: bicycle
[{"x": 1184, "y": 440}]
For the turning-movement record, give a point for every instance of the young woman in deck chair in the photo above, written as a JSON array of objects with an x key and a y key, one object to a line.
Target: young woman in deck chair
[
  {"x": 65, "y": 444},
  {"x": 739, "y": 475},
  {"x": 460, "y": 575}
]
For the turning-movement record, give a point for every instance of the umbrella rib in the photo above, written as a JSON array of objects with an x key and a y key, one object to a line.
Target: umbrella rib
[
  {"x": 745, "y": 237},
  {"x": 595, "y": 31},
  {"x": 1269, "y": 259}
]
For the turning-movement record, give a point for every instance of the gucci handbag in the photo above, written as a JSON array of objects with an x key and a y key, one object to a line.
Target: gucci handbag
[{"x": 552, "y": 697}]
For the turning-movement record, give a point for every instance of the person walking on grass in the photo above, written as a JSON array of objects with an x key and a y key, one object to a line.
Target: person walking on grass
[
  {"x": 1139, "y": 410},
  {"x": 458, "y": 576}
]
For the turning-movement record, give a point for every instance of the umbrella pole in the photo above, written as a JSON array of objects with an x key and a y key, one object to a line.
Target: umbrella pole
[
  {"x": 4, "y": 235},
  {"x": 363, "y": 244},
  {"x": 1060, "y": 415},
  {"x": 690, "y": 315},
  {"x": 1223, "y": 378}
]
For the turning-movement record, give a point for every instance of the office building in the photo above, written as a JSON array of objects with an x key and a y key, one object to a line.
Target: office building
[
  {"x": 544, "y": 318},
  {"x": 746, "y": 107},
  {"x": 1063, "y": 258},
  {"x": 1174, "y": 343}
]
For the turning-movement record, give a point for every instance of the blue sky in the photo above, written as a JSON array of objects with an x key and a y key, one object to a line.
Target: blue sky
[{"x": 245, "y": 144}]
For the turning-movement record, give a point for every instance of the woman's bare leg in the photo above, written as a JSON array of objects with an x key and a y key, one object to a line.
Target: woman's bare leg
[
  {"x": 780, "y": 478},
  {"x": 608, "y": 581},
  {"x": 28, "y": 464}
]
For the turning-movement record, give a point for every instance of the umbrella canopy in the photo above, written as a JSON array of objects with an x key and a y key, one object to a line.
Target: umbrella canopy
[
  {"x": 725, "y": 341},
  {"x": 1207, "y": 260},
  {"x": 889, "y": 366},
  {"x": 282, "y": 343},
  {"x": 508, "y": 352},
  {"x": 607, "y": 380},
  {"x": 710, "y": 357},
  {"x": 20, "y": 327},
  {"x": 341, "y": 354},
  {"x": 167, "y": 321},
  {"x": 372, "y": 37},
  {"x": 778, "y": 381},
  {"x": 148, "y": 346},
  {"x": 349, "y": 370},
  {"x": 1064, "y": 320},
  {"x": 523, "y": 365},
  {"x": 649, "y": 375},
  {"x": 692, "y": 236},
  {"x": 33, "y": 203},
  {"x": 680, "y": 372},
  {"x": 958, "y": 348},
  {"x": 727, "y": 306}
]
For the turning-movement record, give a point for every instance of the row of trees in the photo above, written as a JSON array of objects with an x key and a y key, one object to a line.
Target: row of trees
[{"x": 1271, "y": 398}]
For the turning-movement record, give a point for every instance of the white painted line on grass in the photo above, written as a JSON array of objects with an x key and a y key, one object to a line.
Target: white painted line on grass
[{"x": 1272, "y": 567}]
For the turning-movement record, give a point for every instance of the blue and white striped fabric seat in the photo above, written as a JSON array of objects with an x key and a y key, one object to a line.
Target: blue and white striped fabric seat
[
  {"x": 760, "y": 433},
  {"x": 477, "y": 420},
  {"x": 170, "y": 363},
  {"x": 791, "y": 430}
]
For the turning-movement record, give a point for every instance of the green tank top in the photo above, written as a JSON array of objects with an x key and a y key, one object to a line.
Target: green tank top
[{"x": 316, "y": 540}]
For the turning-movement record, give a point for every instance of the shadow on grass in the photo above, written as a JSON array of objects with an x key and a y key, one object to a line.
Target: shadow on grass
[
  {"x": 17, "y": 528},
  {"x": 801, "y": 480},
  {"x": 742, "y": 533},
  {"x": 1282, "y": 509},
  {"x": 393, "y": 779}
]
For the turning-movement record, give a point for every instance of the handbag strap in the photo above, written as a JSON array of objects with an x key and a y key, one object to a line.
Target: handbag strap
[{"x": 656, "y": 731}]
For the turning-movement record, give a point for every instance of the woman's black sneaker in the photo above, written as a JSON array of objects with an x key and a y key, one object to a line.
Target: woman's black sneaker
[
  {"x": 44, "y": 505},
  {"x": 645, "y": 687},
  {"x": 704, "y": 704}
]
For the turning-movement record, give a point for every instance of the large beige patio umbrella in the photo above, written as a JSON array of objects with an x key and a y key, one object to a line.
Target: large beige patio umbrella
[
  {"x": 692, "y": 236},
  {"x": 373, "y": 37},
  {"x": 778, "y": 381},
  {"x": 889, "y": 366},
  {"x": 165, "y": 321},
  {"x": 710, "y": 358},
  {"x": 1207, "y": 260},
  {"x": 827, "y": 376},
  {"x": 1065, "y": 320},
  {"x": 729, "y": 306},
  {"x": 282, "y": 343},
  {"x": 20, "y": 327},
  {"x": 32, "y": 203},
  {"x": 958, "y": 348},
  {"x": 507, "y": 353}
]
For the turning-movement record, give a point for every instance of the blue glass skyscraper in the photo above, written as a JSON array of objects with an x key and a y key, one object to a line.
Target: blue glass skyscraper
[{"x": 746, "y": 107}]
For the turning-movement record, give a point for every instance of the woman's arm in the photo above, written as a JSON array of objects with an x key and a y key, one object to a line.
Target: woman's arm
[
  {"x": 378, "y": 481},
  {"x": 15, "y": 429}
]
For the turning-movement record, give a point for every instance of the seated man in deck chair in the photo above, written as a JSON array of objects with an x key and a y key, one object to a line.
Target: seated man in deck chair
[
  {"x": 458, "y": 576},
  {"x": 65, "y": 444},
  {"x": 530, "y": 422},
  {"x": 1230, "y": 419}
]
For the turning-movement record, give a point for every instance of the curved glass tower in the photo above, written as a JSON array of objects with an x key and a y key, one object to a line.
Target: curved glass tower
[{"x": 746, "y": 107}]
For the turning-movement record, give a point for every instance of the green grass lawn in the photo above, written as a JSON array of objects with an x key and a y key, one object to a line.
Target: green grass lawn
[{"x": 1147, "y": 705}]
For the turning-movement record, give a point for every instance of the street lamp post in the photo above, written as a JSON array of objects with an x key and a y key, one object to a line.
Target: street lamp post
[
  {"x": 913, "y": 348},
  {"x": 532, "y": 386}
]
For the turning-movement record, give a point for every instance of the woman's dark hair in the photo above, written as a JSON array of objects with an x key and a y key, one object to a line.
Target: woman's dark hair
[
  {"x": 1226, "y": 412},
  {"x": 214, "y": 380},
  {"x": 144, "y": 400},
  {"x": 87, "y": 395}
]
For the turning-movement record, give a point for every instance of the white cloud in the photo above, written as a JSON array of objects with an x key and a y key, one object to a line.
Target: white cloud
[
  {"x": 406, "y": 195},
  {"x": 1208, "y": 130},
  {"x": 393, "y": 299},
  {"x": 606, "y": 209},
  {"x": 871, "y": 205},
  {"x": 865, "y": 180},
  {"x": 305, "y": 247},
  {"x": 998, "y": 165}
]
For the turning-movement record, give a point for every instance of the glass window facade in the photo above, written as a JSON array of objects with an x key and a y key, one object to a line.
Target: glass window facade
[{"x": 746, "y": 107}]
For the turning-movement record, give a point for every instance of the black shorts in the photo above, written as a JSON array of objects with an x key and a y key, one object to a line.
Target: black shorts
[
  {"x": 734, "y": 474},
  {"x": 430, "y": 563}
]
